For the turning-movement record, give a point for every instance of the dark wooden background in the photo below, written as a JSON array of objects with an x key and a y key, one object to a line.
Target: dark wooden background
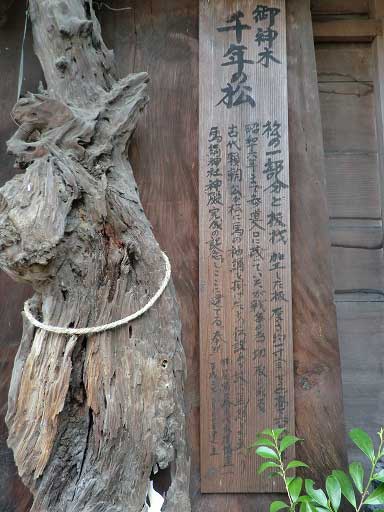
[{"x": 161, "y": 36}]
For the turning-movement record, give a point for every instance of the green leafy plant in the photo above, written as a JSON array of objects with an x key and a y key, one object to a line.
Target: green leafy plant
[{"x": 354, "y": 487}]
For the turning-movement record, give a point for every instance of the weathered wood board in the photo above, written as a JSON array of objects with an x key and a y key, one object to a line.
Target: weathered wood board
[
  {"x": 361, "y": 334},
  {"x": 346, "y": 30},
  {"x": 357, "y": 269},
  {"x": 348, "y": 117},
  {"x": 353, "y": 184},
  {"x": 246, "y": 349},
  {"x": 340, "y": 6},
  {"x": 356, "y": 233},
  {"x": 344, "y": 62}
]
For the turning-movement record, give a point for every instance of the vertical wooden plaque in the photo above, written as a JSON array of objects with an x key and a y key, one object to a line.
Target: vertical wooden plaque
[{"x": 245, "y": 265}]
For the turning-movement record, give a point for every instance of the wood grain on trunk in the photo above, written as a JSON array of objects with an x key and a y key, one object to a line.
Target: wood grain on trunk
[{"x": 88, "y": 421}]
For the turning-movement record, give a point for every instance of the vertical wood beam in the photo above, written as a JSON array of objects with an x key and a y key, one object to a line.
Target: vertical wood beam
[
  {"x": 318, "y": 390},
  {"x": 376, "y": 9}
]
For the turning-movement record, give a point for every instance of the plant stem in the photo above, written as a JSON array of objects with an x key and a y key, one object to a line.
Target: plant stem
[
  {"x": 374, "y": 463},
  {"x": 284, "y": 475}
]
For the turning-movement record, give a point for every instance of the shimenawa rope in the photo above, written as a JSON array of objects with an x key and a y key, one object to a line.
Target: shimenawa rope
[{"x": 105, "y": 327}]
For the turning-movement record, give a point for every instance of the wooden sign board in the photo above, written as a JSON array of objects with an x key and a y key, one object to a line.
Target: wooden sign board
[{"x": 245, "y": 267}]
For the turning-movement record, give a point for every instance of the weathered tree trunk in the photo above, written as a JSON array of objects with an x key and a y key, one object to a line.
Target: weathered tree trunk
[{"x": 88, "y": 421}]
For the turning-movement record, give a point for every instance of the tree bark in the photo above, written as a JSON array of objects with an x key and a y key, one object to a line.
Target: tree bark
[{"x": 89, "y": 420}]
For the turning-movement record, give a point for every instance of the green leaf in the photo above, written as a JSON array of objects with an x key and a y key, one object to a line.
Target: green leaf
[
  {"x": 363, "y": 441},
  {"x": 377, "y": 497},
  {"x": 276, "y": 432},
  {"x": 263, "y": 442},
  {"x": 356, "y": 471},
  {"x": 316, "y": 494},
  {"x": 288, "y": 441},
  {"x": 307, "y": 507},
  {"x": 277, "y": 505},
  {"x": 379, "y": 477},
  {"x": 296, "y": 464},
  {"x": 289, "y": 479},
  {"x": 294, "y": 488},
  {"x": 267, "y": 453},
  {"x": 346, "y": 486},
  {"x": 266, "y": 465},
  {"x": 267, "y": 432},
  {"x": 334, "y": 491},
  {"x": 304, "y": 499},
  {"x": 274, "y": 474}
]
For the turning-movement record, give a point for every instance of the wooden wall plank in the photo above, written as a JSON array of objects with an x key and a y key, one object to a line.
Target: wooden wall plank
[
  {"x": 339, "y": 6},
  {"x": 318, "y": 395},
  {"x": 344, "y": 62},
  {"x": 358, "y": 269},
  {"x": 346, "y": 30},
  {"x": 361, "y": 327},
  {"x": 353, "y": 185},
  {"x": 360, "y": 296},
  {"x": 357, "y": 233},
  {"x": 348, "y": 116}
]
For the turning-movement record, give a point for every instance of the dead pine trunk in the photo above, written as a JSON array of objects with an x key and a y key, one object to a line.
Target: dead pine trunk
[{"x": 89, "y": 419}]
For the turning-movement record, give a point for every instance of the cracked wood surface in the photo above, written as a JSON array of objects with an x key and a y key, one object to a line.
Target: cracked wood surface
[{"x": 88, "y": 419}]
